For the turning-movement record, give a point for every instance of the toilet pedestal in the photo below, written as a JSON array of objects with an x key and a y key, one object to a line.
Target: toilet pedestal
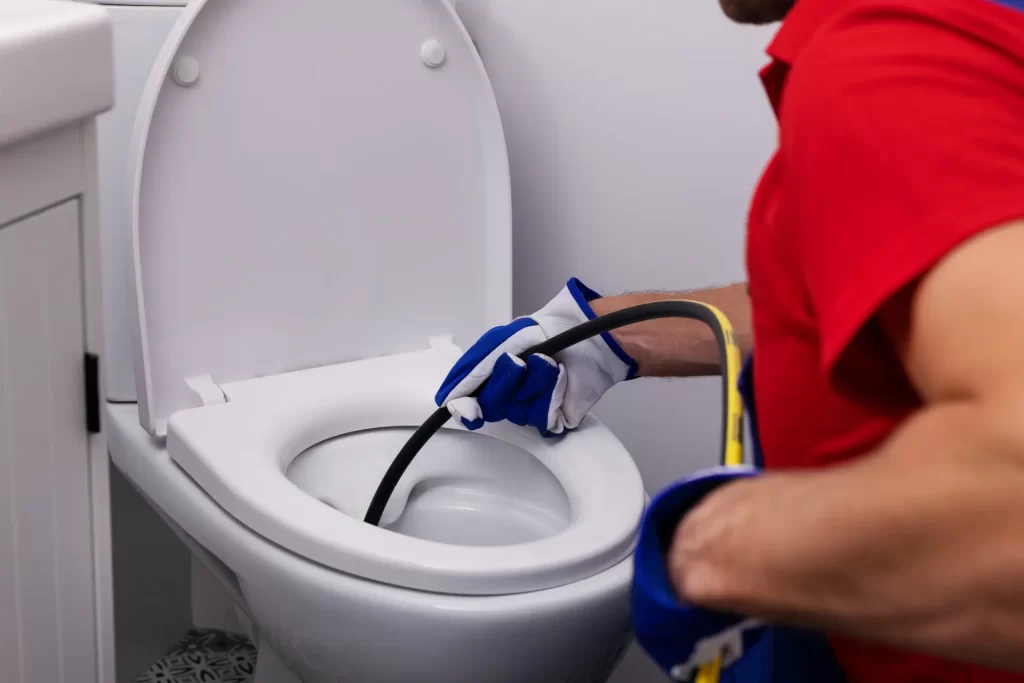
[{"x": 269, "y": 668}]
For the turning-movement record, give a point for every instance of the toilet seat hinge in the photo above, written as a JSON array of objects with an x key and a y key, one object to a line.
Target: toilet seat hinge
[
  {"x": 209, "y": 392},
  {"x": 445, "y": 344}
]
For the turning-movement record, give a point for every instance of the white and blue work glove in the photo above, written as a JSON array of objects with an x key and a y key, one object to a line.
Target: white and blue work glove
[
  {"x": 677, "y": 636},
  {"x": 551, "y": 394}
]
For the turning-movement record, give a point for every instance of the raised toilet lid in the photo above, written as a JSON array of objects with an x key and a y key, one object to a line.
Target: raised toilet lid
[{"x": 313, "y": 182}]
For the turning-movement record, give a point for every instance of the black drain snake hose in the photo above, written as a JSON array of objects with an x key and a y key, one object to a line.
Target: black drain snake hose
[{"x": 732, "y": 407}]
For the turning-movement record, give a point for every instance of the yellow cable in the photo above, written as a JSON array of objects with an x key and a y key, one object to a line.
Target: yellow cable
[
  {"x": 732, "y": 449},
  {"x": 710, "y": 673}
]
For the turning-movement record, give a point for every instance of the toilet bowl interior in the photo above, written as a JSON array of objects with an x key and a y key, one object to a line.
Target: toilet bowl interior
[{"x": 464, "y": 489}]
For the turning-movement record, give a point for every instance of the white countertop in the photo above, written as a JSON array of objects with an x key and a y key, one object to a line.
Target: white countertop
[{"x": 56, "y": 65}]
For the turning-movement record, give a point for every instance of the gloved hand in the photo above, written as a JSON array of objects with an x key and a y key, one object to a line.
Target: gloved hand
[
  {"x": 553, "y": 395},
  {"x": 680, "y": 637}
]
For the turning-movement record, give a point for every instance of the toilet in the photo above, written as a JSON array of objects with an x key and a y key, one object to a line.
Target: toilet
[{"x": 321, "y": 215}]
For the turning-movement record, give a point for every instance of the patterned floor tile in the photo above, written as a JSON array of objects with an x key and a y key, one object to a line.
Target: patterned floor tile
[{"x": 205, "y": 656}]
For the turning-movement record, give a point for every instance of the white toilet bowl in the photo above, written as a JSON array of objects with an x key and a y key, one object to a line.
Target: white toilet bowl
[
  {"x": 329, "y": 625},
  {"x": 319, "y": 189}
]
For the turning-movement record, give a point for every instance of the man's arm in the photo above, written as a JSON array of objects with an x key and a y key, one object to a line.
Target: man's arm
[
  {"x": 920, "y": 544},
  {"x": 676, "y": 347}
]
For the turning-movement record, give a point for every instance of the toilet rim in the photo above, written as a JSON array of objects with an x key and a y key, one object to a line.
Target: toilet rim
[
  {"x": 239, "y": 452},
  {"x": 191, "y": 511}
]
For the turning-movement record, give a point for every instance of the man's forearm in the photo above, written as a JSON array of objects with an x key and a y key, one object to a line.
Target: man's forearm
[
  {"x": 918, "y": 545},
  {"x": 675, "y": 347}
]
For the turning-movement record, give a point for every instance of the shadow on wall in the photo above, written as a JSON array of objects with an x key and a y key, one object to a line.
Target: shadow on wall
[{"x": 152, "y": 587}]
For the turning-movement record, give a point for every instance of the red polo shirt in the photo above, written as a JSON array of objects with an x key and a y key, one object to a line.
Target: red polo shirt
[{"x": 901, "y": 134}]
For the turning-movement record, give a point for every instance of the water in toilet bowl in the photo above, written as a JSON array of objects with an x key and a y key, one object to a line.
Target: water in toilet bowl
[{"x": 464, "y": 489}]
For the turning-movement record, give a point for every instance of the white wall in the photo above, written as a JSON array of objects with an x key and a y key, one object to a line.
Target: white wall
[{"x": 636, "y": 131}]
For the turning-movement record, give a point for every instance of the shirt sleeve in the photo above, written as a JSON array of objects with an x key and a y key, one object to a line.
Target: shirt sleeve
[{"x": 902, "y": 135}]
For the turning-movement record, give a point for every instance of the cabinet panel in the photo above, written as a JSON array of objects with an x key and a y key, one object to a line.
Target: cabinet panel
[{"x": 47, "y": 622}]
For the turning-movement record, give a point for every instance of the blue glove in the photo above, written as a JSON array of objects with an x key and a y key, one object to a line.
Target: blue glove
[
  {"x": 679, "y": 637},
  {"x": 551, "y": 394}
]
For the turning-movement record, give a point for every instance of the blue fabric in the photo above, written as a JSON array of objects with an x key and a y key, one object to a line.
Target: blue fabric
[
  {"x": 522, "y": 392},
  {"x": 498, "y": 392},
  {"x": 785, "y": 655},
  {"x": 491, "y": 339},
  {"x": 473, "y": 424},
  {"x": 532, "y": 399},
  {"x": 1013, "y": 4},
  {"x": 669, "y": 629},
  {"x": 516, "y": 391},
  {"x": 583, "y": 296},
  {"x": 666, "y": 628}
]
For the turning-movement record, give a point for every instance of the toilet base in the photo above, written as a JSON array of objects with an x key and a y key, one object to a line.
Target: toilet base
[{"x": 270, "y": 669}]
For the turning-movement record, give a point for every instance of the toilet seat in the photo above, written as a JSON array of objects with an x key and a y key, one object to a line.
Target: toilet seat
[{"x": 238, "y": 453}]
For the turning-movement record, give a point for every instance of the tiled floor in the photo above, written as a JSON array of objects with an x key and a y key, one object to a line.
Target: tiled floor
[{"x": 205, "y": 656}]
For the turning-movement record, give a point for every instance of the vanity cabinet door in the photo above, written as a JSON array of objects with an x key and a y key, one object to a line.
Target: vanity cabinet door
[{"x": 47, "y": 614}]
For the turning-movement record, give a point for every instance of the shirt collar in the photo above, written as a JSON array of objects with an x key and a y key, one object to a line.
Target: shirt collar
[
  {"x": 798, "y": 28},
  {"x": 800, "y": 25}
]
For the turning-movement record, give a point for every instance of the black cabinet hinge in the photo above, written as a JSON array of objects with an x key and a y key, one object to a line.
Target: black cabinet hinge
[{"x": 92, "y": 393}]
